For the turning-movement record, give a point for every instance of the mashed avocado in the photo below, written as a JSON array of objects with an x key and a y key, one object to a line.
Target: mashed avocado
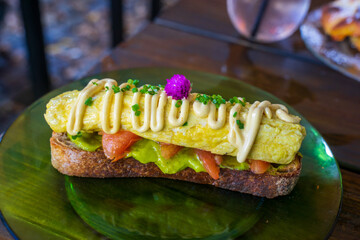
[
  {"x": 146, "y": 151},
  {"x": 87, "y": 141}
]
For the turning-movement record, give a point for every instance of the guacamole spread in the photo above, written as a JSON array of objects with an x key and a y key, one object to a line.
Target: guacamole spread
[{"x": 146, "y": 151}]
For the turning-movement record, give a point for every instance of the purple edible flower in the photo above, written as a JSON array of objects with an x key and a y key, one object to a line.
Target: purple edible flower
[{"x": 178, "y": 87}]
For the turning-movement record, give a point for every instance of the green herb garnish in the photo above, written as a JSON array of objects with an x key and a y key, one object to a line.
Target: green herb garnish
[
  {"x": 152, "y": 90},
  {"x": 136, "y": 108},
  {"x": 203, "y": 98},
  {"x": 133, "y": 82},
  {"x": 106, "y": 88},
  {"x": 218, "y": 100},
  {"x": 89, "y": 101},
  {"x": 240, "y": 124},
  {"x": 185, "y": 124},
  {"x": 134, "y": 90},
  {"x": 116, "y": 89},
  {"x": 79, "y": 134},
  {"x": 136, "y": 82},
  {"x": 144, "y": 89},
  {"x": 178, "y": 103},
  {"x": 237, "y": 100},
  {"x": 95, "y": 83},
  {"x": 124, "y": 89},
  {"x": 235, "y": 113}
]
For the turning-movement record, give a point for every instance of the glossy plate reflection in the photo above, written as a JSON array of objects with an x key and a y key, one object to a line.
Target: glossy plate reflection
[
  {"x": 337, "y": 55},
  {"x": 162, "y": 208},
  {"x": 40, "y": 203}
]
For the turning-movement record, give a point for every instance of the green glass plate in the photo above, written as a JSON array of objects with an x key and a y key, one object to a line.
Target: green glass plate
[{"x": 40, "y": 203}]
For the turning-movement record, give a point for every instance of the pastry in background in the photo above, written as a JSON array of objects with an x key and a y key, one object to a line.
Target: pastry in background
[
  {"x": 355, "y": 41},
  {"x": 341, "y": 19}
]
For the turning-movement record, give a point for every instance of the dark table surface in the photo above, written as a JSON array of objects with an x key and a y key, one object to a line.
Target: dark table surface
[{"x": 198, "y": 35}]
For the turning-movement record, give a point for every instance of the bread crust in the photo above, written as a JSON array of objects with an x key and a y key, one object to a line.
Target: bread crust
[{"x": 72, "y": 161}]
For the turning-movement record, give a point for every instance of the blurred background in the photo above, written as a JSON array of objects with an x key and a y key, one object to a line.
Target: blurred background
[{"x": 76, "y": 35}]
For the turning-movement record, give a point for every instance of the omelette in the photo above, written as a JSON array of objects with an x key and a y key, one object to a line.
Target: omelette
[{"x": 275, "y": 139}]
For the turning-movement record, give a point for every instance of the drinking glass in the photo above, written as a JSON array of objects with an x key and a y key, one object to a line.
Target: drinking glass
[{"x": 267, "y": 20}]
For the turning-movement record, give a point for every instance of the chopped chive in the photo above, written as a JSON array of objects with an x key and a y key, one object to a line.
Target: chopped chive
[
  {"x": 240, "y": 124},
  {"x": 237, "y": 100},
  {"x": 79, "y": 134},
  {"x": 149, "y": 89},
  {"x": 135, "y": 107},
  {"x": 89, "y": 101},
  {"x": 116, "y": 89},
  {"x": 243, "y": 102},
  {"x": 136, "y": 82},
  {"x": 203, "y": 98},
  {"x": 144, "y": 89},
  {"x": 185, "y": 124},
  {"x": 124, "y": 89},
  {"x": 178, "y": 103},
  {"x": 151, "y": 92},
  {"x": 130, "y": 81},
  {"x": 95, "y": 83},
  {"x": 106, "y": 88},
  {"x": 154, "y": 90},
  {"x": 235, "y": 113},
  {"x": 216, "y": 99}
]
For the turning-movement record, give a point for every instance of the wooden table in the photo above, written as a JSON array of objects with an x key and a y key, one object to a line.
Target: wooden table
[{"x": 198, "y": 35}]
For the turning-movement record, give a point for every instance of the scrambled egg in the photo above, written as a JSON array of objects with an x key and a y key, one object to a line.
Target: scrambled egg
[{"x": 277, "y": 141}]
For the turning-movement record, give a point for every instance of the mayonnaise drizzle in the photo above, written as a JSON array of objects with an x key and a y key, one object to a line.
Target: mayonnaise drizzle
[
  {"x": 219, "y": 122},
  {"x": 154, "y": 114},
  {"x": 176, "y": 119},
  {"x": 74, "y": 123},
  {"x": 251, "y": 129},
  {"x": 283, "y": 114},
  {"x": 201, "y": 110},
  {"x": 105, "y": 114},
  {"x": 158, "y": 103}
]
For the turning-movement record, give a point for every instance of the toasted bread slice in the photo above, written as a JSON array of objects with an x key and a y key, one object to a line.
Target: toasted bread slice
[{"x": 68, "y": 159}]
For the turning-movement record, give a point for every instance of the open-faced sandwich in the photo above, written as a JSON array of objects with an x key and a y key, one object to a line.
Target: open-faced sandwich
[
  {"x": 107, "y": 130},
  {"x": 341, "y": 19}
]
